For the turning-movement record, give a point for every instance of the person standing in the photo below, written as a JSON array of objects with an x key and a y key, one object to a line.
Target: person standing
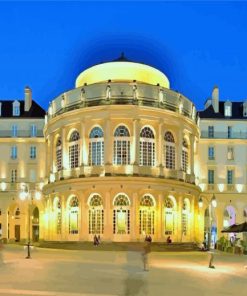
[{"x": 145, "y": 254}]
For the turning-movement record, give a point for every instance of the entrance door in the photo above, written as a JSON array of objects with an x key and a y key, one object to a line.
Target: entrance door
[
  {"x": 17, "y": 233},
  {"x": 35, "y": 233}
]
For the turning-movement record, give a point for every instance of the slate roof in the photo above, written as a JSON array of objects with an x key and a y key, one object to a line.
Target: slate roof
[
  {"x": 36, "y": 111},
  {"x": 237, "y": 111}
]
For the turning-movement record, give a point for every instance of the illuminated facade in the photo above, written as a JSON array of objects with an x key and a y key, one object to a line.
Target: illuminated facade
[{"x": 120, "y": 156}]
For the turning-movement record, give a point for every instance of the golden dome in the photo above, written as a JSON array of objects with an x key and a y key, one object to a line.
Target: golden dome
[{"x": 122, "y": 70}]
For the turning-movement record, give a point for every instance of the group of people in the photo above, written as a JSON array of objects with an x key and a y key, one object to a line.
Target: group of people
[{"x": 96, "y": 240}]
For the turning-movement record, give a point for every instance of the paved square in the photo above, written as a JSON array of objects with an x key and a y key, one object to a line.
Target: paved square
[{"x": 74, "y": 273}]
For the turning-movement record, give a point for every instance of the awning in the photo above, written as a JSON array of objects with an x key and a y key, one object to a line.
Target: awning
[{"x": 236, "y": 228}]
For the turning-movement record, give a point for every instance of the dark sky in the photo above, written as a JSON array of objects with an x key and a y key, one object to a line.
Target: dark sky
[{"x": 196, "y": 44}]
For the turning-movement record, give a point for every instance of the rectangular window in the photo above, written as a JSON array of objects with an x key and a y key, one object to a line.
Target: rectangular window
[
  {"x": 228, "y": 111},
  {"x": 211, "y": 153},
  {"x": 230, "y": 153},
  {"x": 33, "y": 130},
  {"x": 13, "y": 176},
  {"x": 229, "y": 132},
  {"x": 32, "y": 175},
  {"x": 32, "y": 152},
  {"x": 229, "y": 177},
  {"x": 211, "y": 131},
  {"x": 13, "y": 152},
  {"x": 14, "y": 130},
  {"x": 210, "y": 176},
  {"x": 16, "y": 110}
]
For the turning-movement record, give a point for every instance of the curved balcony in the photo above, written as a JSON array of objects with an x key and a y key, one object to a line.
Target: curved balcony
[{"x": 122, "y": 94}]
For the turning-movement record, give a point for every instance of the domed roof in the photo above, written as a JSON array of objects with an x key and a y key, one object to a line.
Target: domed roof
[{"x": 122, "y": 70}]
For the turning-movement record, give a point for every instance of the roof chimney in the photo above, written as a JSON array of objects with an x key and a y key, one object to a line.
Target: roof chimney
[
  {"x": 215, "y": 99},
  {"x": 28, "y": 98}
]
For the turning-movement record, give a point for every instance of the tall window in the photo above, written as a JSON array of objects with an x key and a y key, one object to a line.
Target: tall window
[
  {"x": 96, "y": 147},
  {"x": 96, "y": 215},
  {"x": 121, "y": 146},
  {"x": 229, "y": 177},
  {"x": 16, "y": 108},
  {"x": 73, "y": 215},
  {"x": 33, "y": 130},
  {"x": 14, "y": 130},
  {"x": 185, "y": 156},
  {"x": 32, "y": 152},
  {"x": 169, "y": 216},
  {"x": 210, "y": 176},
  {"x": 74, "y": 150},
  {"x": 147, "y": 147},
  {"x": 59, "y": 154},
  {"x": 14, "y": 176},
  {"x": 229, "y": 132},
  {"x": 228, "y": 110},
  {"x": 211, "y": 153},
  {"x": 230, "y": 153},
  {"x": 169, "y": 151},
  {"x": 14, "y": 152},
  {"x": 121, "y": 215},
  {"x": 211, "y": 131},
  {"x": 146, "y": 215}
]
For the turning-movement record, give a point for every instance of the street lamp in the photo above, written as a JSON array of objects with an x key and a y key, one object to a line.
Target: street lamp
[{"x": 25, "y": 194}]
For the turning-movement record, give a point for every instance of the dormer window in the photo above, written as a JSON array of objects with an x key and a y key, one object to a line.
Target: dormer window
[
  {"x": 245, "y": 109},
  {"x": 16, "y": 108},
  {"x": 228, "y": 109}
]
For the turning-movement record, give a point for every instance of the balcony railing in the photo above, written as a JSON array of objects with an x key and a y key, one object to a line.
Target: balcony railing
[
  {"x": 224, "y": 135},
  {"x": 122, "y": 94},
  {"x": 20, "y": 134}
]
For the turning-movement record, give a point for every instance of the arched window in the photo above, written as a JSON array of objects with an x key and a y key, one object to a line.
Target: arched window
[
  {"x": 185, "y": 156},
  {"x": 59, "y": 154},
  {"x": 58, "y": 214},
  {"x": 146, "y": 215},
  {"x": 170, "y": 154},
  {"x": 74, "y": 150},
  {"x": 169, "y": 216},
  {"x": 73, "y": 215},
  {"x": 121, "y": 146},
  {"x": 185, "y": 216},
  {"x": 121, "y": 214},
  {"x": 147, "y": 147},
  {"x": 17, "y": 213},
  {"x": 96, "y": 215},
  {"x": 96, "y": 147}
]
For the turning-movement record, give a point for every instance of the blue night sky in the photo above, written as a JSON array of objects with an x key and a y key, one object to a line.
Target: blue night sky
[{"x": 197, "y": 44}]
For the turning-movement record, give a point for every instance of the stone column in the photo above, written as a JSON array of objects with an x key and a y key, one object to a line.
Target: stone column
[
  {"x": 64, "y": 226},
  {"x": 84, "y": 217},
  {"x": 108, "y": 219},
  {"x": 159, "y": 149},
  {"x": 4, "y": 222},
  {"x": 65, "y": 151},
  {"x": 52, "y": 165},
  {"x": 108, "y": 145},
  {"x": 135, "y": 146},
  {"x": 83, "y": 146},
  {"x": 134, "y": 218},
  {"x": 179, "y": 149},
  {"x": 159, "y": 217},
  {"x": 180, "y": 236}
]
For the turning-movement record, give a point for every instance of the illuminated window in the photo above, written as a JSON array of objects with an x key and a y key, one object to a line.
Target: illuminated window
[
  {"x": 121, "y": 146},
  {"x": 121, "y": 215},
  {"x": 14, "y": 176},
  {"x": 230, "y": 153},
  {"x": 147, "y": 147},
  {"x": 33, "y": 130},
  {"x": 16, "y": 108},
  {"x": 96, "y": 215},
  {"x": 59, "y": 152},
  {"x": 96, "y": 147},
  {"x": 13, "y": 152},
  {"x": 169, "y": 151},
  {"x": 185, "y": 156},
  {"x": 74, "y": 150},
  {"x": 73, "y": 215},
  {"x": 147, "y": 215},
  {"x": 169, "y": 216}
]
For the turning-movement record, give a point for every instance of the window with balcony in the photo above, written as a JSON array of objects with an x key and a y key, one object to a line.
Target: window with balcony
[
  {"x": 59, "y": 154},
  {"x": 33, "y": 152},
  {"x": 211, "y": 153},
  {"x": 33, "y": 130},
  {"x": 14, "y": 152},
  {"x": 229, "y": 132},
  {"x": 210, "y": 176},
  {"x": 121, "y": 146},
  {"x": 74, "y": 150},
  {"x": 147, "y": 147},
  {"x": 211, "y": 131},
  {"x": 169, "y": 148},
  {"x": 96, "y": 147},
  {"x": 14, "y": 130}
]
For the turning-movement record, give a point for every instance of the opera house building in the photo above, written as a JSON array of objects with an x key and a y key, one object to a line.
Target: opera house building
[{"x": 122, "y": 155}]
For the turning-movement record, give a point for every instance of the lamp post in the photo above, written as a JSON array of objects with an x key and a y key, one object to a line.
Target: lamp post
[
  {"x": 25, "y": 194},
  {"x": 212, "y": 204}
]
